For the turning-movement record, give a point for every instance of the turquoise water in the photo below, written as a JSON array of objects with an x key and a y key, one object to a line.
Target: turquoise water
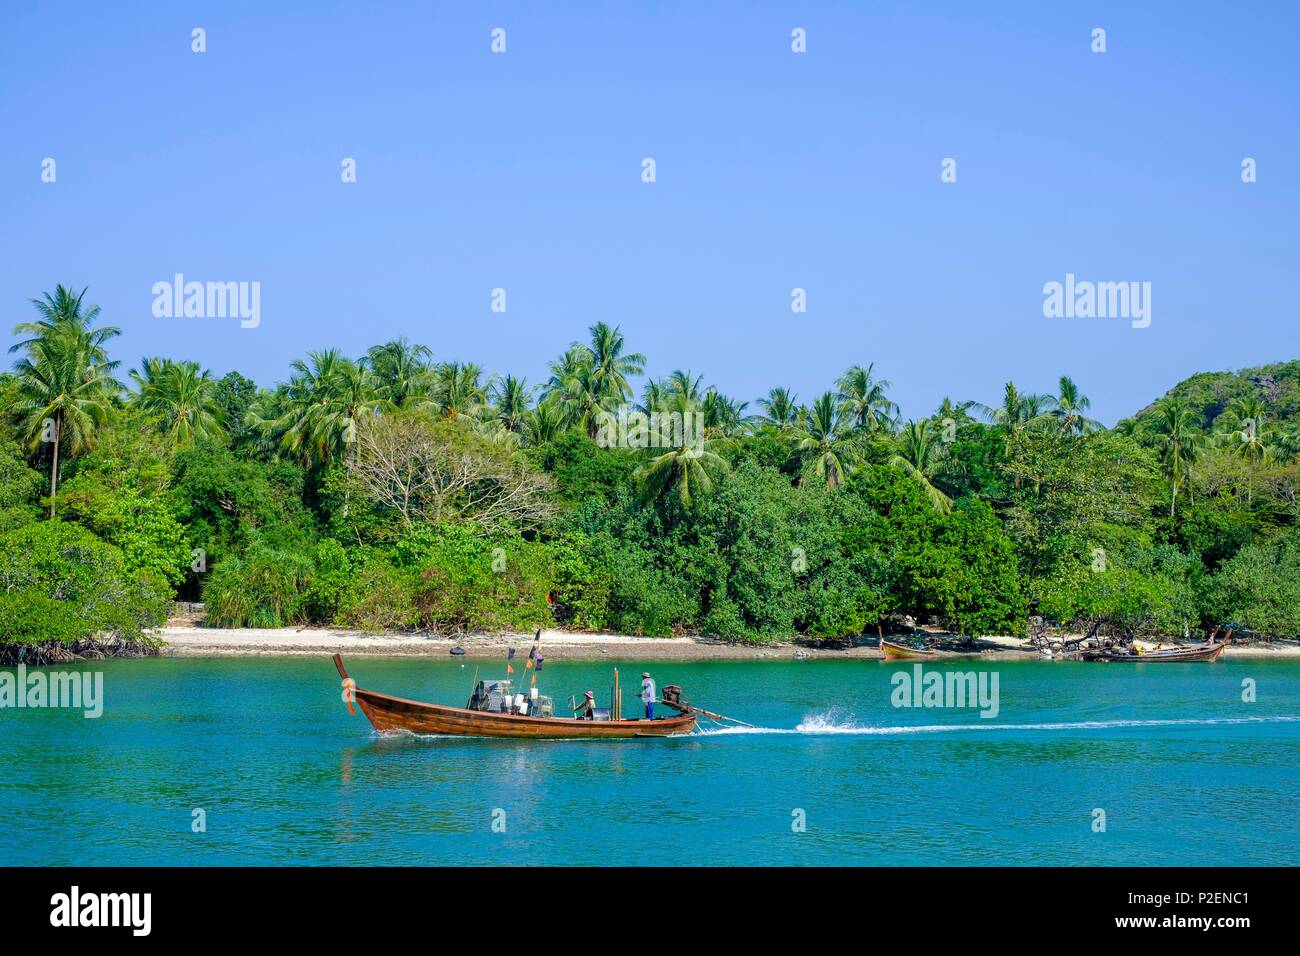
[{"x": 1186, "y": 772}]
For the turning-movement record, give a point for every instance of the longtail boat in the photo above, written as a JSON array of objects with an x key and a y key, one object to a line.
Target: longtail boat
[
  {"x": 1179, "y": 655},
  {"x": 901, "y": 652},
  {"x": 387, "y": 714}
]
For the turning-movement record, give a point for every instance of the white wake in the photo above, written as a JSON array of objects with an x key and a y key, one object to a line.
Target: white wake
[{"x": 822, "y": 724}]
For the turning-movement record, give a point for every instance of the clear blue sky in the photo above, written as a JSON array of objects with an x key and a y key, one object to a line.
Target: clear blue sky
[{"x": 775, "y": 170}]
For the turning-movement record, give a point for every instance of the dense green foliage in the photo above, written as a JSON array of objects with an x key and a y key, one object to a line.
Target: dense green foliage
[
  {"x": 391, "y": 491},
  {"x": 1210, "y": 394},
  {"x": 59, "y": 582}
]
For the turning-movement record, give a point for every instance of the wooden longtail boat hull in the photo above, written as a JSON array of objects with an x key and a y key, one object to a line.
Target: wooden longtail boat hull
[
  {"x": 1207, "y": 653},
  {"x": 388, "y": 714},
  {"x": 901, "y": 652}
]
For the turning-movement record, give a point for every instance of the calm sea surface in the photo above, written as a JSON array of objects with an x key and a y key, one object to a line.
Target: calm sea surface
[{"x": 1184, "y": 770}]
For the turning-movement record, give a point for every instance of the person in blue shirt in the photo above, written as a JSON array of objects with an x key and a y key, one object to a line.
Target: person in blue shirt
[{"x": 648, "y": 695}]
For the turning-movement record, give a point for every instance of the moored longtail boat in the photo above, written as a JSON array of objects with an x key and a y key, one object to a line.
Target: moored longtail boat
[
  {"x": 387, "y": 714},
  {"x": 1180, "y": 655},
  {"x": 901, "y": 652}
]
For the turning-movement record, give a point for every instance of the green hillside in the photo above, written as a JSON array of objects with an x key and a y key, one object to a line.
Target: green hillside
[{"x": 1209, "y": 394}]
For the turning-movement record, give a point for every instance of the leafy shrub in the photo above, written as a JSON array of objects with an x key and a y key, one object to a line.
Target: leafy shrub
[
  {"x": 847, "y": 596},
  {"x": 1259, "y": 588},
  {"x": 1141, "y": 591},
  {"x": 263, "y": 588},
  {"x": 380, "y": 598},
  {"x": 724, "y": 620},
  {"x": 330, "y": 580},
  {"x": 144, "y": 528},
  {"x": 979, "y": 591},
  {"x": 582, "y": 586},
  {"x": 29, "y": 616},
  {"x": 230, "y": 505},
  {"x": 61, "y": 582},
  {"x": 20, "y": 488},
  {"x": 1214, "y": 531},
  {"x": 583, "y": 470},
  {"x": 468, "y": 582}
]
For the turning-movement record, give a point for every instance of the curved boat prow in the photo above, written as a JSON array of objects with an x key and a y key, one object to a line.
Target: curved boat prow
[{"x": 338, "y": 662}]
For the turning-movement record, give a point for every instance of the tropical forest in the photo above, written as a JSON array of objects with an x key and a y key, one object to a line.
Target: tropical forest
[{"x": 402, "y": 490}]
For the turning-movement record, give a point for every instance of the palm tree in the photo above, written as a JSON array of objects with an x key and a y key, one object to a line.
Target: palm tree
[
  {"x": 1070, "y": 408},
  {"x": 1288, "y": 445},
  {"x": 921, "y": 455},
  {"x": 956, "y": 412},
  {"x": 457, "y": 391},
  {"x": 1036, "y": 408},
  {"x": 185, "y": 397},
  {"x": 402, "y": 371},
  {"x": 1018, "y": 408},
  {"x": 825, "y": 440},
  {"x": 780, "y": 409},
  {"x": 510, "y": 398},
  {"x": 543, "y": 424},
  {"x": 265, "y": 411},
  {"x": 865, "y": 403},
  {"x": 572, "y": 390},
  {"x": 315, "y": 415},
  {"x": 654, "y": 394},
  {"x": 1179, "y": 440},
  {"x": 723, "y": 416},
  {"x": 684, "y": 467},
  {"x": 686, "y": 385},
  {"x": 1006, "y": 414},
  {"x": 609, "y": 366},
  {"x": 1254, "y": 441},
  {"x": 357, "y": 396},
  {"x": 65, "y": 381},
  {"x": 62, "y": 312}
]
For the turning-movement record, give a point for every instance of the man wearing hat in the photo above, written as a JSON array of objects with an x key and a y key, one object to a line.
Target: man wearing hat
[
  {"x": 648, "y": 695},
  {"x": 588, "y": 707}
]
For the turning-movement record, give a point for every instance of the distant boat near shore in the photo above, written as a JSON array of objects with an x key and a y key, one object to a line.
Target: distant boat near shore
[
  {"x": 902, "y": 652},
  {"x": 1179, "y": 655}
]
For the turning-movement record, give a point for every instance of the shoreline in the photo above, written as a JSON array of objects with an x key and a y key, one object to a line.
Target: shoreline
[{"x": 201, "y": 642}]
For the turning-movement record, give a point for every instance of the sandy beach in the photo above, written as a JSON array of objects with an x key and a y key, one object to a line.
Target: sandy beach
[
  {"x": 193, "y": 641},
  {"x": 188, "y": 641}
]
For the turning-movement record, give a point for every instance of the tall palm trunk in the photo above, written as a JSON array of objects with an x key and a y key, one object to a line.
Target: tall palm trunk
[
  {"x": 54, "y": 467},
  {"x": 349, "y": 456}
]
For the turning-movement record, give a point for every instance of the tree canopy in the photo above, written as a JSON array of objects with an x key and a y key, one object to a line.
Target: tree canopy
[{"x": 400, "y": 489}]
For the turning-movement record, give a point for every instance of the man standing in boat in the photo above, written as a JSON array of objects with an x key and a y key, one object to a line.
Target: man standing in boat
[{"x": 648, "y": 695}]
